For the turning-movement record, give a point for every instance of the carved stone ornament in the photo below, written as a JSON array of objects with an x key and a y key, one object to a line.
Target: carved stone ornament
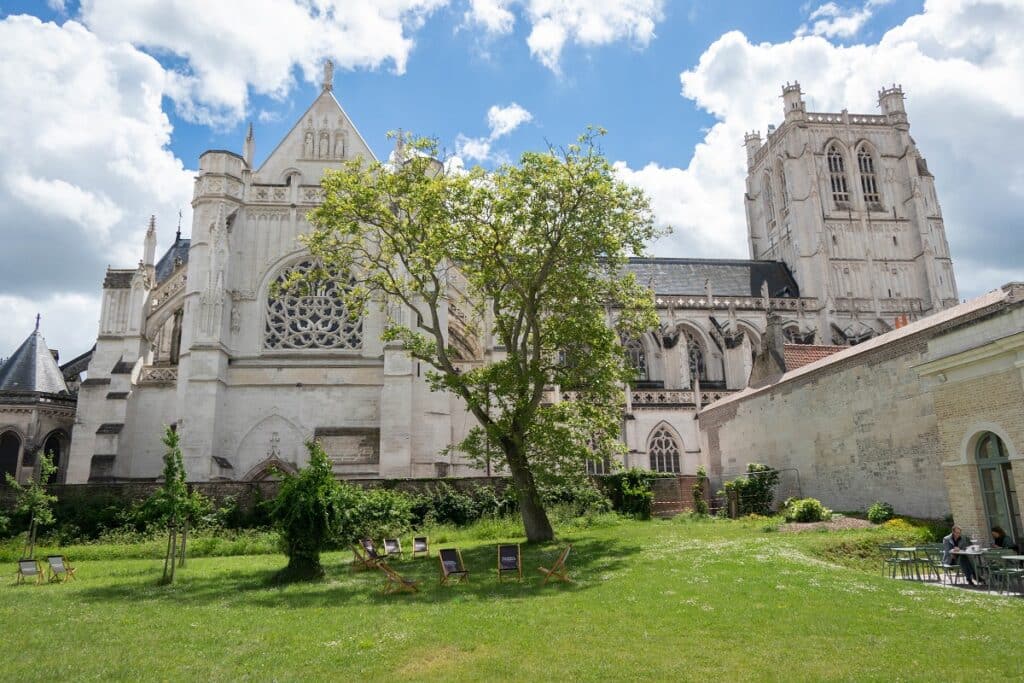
[{"x": 317, "y": 320}]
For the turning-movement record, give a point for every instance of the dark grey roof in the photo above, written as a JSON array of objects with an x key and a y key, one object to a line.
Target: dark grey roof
[
  {"x": 727, "y": 278},
  {"x": 177, "y": 252},
  {"x": 32, "y": 368},
  {"x": 76, "y": 366}
]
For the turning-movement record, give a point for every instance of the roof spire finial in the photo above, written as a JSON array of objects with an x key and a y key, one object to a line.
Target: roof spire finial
[
  {"x": 328, "y": 75},
  {"x": 38, "y": 316},
  {"x": 177, "y": 236}
]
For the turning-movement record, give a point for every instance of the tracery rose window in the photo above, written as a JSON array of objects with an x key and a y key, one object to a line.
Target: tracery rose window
[{"x": 314, "y": 319}]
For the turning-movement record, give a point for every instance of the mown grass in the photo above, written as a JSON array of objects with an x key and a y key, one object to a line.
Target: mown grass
[{"x": 664, "y": 600}]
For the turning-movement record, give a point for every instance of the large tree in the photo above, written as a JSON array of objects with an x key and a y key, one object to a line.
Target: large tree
[{"x": 529, "y": 257}]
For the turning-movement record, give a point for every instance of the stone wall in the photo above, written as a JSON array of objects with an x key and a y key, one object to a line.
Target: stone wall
[{"x": 858, "y": 430}]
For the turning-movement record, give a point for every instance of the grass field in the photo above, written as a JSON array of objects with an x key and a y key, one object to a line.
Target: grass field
[{"x": 661, "y": 600}]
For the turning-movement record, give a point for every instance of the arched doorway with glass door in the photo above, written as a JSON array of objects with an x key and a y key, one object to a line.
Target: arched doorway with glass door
[{"x": 998, "y": 490}]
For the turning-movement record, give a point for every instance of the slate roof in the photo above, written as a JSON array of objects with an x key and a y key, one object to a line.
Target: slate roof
[
  {"x": 799, "y": 355},
  {"x": 726, "y": 277},
  {"x": 32, "y": 368},
  {"x": 178, "y": 251}
]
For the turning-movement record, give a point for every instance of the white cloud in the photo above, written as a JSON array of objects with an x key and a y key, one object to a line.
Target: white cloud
[
  {"x": 553, "y": 23},
  {"x": 56, "y": 5},
  {"x": 501, "y": 121},
  {"x": 85, "y": 162},
  {"x": 960, "y": 63},
  {"x": 231, "y": 47}
]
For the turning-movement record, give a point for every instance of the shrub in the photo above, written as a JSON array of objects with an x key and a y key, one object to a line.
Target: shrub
[
  {"x": 880, "y": 512},
  {"x": 805, "y": 510},
  {"x": 700, "y": 503},
  {"x": 637, "y": 496},
  {"x": 755, "y": 491},
  {"x": 309, "y": 512},
  {"x": 382, "y": 512}
]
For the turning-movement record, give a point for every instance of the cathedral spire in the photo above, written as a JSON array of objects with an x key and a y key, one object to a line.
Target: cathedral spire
[
  {"x": 328, "y": 75},
  {"x": 149, "y": 246},
  {"x": 38, "y": 317},
  {"x": 250, "y": 146}
]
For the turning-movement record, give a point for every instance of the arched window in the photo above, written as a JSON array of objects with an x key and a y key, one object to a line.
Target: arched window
[
  {"x": 313, "y": 319},
  {"x": 54, "y": 448},
  {"x": 998, "y": 490},
  {"x": 637, "y": 358},
  {"x": 837, "y": 176},
  {"x": 664, "y": 451},
  {"x": 10, "y": 448},
  {"x": 783, "y": 190},
  {"x": 868, "y": 178},
  {"x": 698, "y": 366},
  {"x": 769, "y": 201}
]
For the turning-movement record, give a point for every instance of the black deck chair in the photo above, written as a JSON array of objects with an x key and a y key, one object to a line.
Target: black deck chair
[
  {"x": 452, "y": 566},
  {"x": 510, "y": 560},
  {"x": 392, "y": 547},
  {"x": 420, "y": 546}
]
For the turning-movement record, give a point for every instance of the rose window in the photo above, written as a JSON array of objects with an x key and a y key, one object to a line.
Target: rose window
[{"x": 313, "y": 319}]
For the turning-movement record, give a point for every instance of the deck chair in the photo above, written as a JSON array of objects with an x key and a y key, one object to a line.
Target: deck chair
[
  {"x": 361, "y": 559},
  {"x": 393, "y": 546},
  {"x": 452, "y": 566},
  {"x": 29, "y": 569},
  {"x": 510, "y": 561},
  {"x": 420, "y": 546},
  {"x": 60, "y": 569},
  {"x": 395, "y": 582},
  {"x": 558, "y": 572}
]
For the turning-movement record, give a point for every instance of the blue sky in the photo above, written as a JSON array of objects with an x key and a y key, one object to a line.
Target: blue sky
[{"x": 105, "y": 106}]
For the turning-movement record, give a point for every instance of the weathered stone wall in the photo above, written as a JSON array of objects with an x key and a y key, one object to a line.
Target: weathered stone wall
[{"x": 857, "y": 431}]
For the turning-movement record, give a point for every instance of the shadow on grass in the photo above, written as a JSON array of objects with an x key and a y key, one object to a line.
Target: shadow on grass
[{"x": 590, "y": 563}]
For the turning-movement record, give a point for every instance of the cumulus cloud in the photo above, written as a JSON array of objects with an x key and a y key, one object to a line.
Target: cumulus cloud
[
  {"x": 833, "y": 21},
  {"x": 85, "y": 162},
  {"x": 959, "y": 62},
  {"x": 501, "y": 121},
  {"x": 553, "y": 23},
  {"x": 228, "y": 51}
]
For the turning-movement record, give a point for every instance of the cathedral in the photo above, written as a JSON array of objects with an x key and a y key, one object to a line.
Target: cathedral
[{"x": 846, "y": 242}]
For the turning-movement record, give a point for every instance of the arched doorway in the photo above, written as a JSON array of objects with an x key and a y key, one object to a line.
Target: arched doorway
[
  {"x": 995, "y": 474},
  {"x": 10, "y": 449}
]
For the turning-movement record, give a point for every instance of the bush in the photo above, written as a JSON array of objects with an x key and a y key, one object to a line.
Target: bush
[
  {"x": 700, "y": 503},
  {"x": 309, "y": 512},
  {"x": 880, "y": 512},
  {"x": 805, "y": 510},
  {"x": 381, "y": 512},
  {"x": 755, "y": 491}
]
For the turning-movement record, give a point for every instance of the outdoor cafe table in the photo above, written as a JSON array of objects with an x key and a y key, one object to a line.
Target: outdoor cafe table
[
  {"x": 908, "y": 554},
  {"x": 972, "y": 555}
]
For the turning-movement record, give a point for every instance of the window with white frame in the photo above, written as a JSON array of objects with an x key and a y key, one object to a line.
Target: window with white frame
[
  {"x": 837, "y": 175},
  {"x": 664, "y": 451},
  {"x": 868, "y": 177},
  {"x": 637, "y": 358}
]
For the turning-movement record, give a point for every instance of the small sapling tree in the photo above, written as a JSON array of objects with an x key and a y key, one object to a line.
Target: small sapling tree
[{"x": 35, "y": 501}]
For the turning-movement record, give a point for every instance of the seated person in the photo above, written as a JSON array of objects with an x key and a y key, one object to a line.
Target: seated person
[
  {"x": 956, "y": 541},
  {"x": 1001, "y": 540}
]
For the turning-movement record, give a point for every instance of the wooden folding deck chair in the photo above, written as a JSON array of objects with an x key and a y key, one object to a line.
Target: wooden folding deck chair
[
  {"x": 452, "y": 566},
  {"x": 60, "y": 569},
  {"x": 363, "y": 559},
  {"x": 558, "y": 572},
  {"x": 395, "y": 582},
  {"x": 420, "y": 546},
  {"x": 392, "y": 547},
  {"x": 510, "y": 560},
  {"x": 29, "y": 569}
]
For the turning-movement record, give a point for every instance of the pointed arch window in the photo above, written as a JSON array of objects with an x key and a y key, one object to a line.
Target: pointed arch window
[
  {"x": 698, "y": 366},
  {"x": 664, "y": 451},
  {"x": 868, "y": 177},
  {"x": 769, "y": 201},
  {"x": 783, "y": 190},
  {"x": 837, "y": 176},
  {"x": 637, "y": 358}
]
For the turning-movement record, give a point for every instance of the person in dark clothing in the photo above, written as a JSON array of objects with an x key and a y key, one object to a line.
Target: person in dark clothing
[
  {"x": 956, "y": 541},
  {"x": 1001, "y": 540}
]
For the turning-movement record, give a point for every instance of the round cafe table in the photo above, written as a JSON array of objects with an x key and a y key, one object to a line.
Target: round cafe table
[{"x": 972, "y": 556}]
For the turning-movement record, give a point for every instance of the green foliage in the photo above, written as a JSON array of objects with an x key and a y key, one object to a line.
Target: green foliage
[
  {"x": 631, "y": 492},
  {"x": 34, "y": 500},
  {"x": 880, "y": 512},
  {"x": 755, "y": 491},
  {"x": 381, "y": 512},
  {"x": 537, "y": 250},
  {"x": 805, "y": 510},
  {"x": 700, "y": 503},
  {"x": 310, "y": 511}
]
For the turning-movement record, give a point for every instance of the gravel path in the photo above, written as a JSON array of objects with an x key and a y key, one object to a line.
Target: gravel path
[{"x": 837, "y": 524}]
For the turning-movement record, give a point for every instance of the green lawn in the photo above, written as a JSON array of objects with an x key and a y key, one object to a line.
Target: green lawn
[{"x": 662, "y": 600}]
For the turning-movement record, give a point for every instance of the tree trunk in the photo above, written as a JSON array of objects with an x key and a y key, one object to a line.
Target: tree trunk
[
  {"x": 30, "y": 540},
  {"x": 184, "y": 539},
  {"x": 174, "y": 550},
  {"x": 535, "y": 517}
]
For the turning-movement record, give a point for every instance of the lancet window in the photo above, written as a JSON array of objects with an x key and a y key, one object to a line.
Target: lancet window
[
  {"x": 837, "y": 176},
  {"x": 868, "y": 177},
  {"x": 664, "y": 451},
  {"x": 637, "y": 357}
]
